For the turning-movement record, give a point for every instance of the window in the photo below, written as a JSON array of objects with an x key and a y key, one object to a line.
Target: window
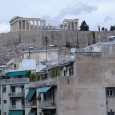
[
  {"x": 44, "y": 96},
  {"x": 65, "y": 72},
  {"x": 111, "y": 112},
  {"x": 14, "y": 66},
  {"x": 4, "y": 89},
  {"x": 5, "y": 101},
  {"x": 40, "y": 113},
  {"x": 70, "y": 71},
  {"x": 13, "y": 89},
  {"x": 23, "y": 102},
  {"x": 109, "y": 92},
  {"x": 5, "y": 113}
]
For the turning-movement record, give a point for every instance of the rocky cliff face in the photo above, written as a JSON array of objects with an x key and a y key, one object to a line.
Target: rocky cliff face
[{"x": 13, "y": 43}]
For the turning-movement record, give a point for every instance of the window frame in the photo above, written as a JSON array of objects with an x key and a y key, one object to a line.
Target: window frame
[{"x": 110, "y": 92}]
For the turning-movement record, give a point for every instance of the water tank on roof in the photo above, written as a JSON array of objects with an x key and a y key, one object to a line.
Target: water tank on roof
[
  {"x": 31, "y": 48},
  {"x": 73, "y": 50}
]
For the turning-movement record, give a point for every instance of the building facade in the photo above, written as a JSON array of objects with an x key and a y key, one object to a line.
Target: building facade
[{"x": 81, "y": 85}]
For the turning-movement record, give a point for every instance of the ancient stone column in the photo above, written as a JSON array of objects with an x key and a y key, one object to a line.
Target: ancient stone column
[
  {"x": 41, "y": 24},
  {"x": 44, "y": 24},
  {"x": 21, "y": 24},
  {"x": 33, "y": 25},
  {"x": 37, "y": 24},
  {"x": 74, "y": 25},
  {"x": 70, "y": 25},
  {"x": 29, "y": 25},
  {"x": 25, "y": 25},
  {"x": 67, "y": 26},
  {"x": 63, "y": 26}
]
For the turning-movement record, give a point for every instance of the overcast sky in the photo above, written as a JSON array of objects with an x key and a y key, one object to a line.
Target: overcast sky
[{"x": 94, "y": 12}]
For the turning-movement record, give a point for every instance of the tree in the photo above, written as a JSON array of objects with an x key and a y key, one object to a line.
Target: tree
[
  {"x": 34, "y": 77},
  {"x": 84, "y": 26},
  {"x": 98, "y": 28},
  {"x": 102, "y": 28},
  {"x": 112, "y": 28}
]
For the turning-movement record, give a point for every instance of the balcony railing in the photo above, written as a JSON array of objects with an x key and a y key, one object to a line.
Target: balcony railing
[
  {"x": 32, "y": 103},
  {"x": 14, "y": 94},
  {"x": 47, "y": 104},
  {"x": 50, "y": 81},
  {"x": 15, "y": 81},
  {"x": 14, "y": 107}
]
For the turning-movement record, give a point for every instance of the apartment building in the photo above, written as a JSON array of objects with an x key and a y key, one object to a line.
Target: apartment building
[
  {"x": 51, "y": 53},
  {"x": 82, "y": 83},
  {"x": 12, "y": 92}
]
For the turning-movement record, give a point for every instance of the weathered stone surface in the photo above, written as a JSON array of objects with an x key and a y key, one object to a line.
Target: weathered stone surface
[{"x": 12, "y": 43}]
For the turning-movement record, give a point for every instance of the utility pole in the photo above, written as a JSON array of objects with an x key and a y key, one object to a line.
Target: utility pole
[{"x": 46, "y": 47}]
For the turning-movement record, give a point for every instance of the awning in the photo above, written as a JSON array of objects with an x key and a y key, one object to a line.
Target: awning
[
  {"x": 44, "y": 90},
  {"x": 33, "y": 112},
  {"x": 15, "y": 112},
  {"x": 16, "y": 73},
  {"x": 30, "y": 94}
]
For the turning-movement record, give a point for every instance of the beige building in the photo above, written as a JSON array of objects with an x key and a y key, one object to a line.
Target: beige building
[
  {"x": 24, "y": 24},
  {"x": 41, "y": 55}
]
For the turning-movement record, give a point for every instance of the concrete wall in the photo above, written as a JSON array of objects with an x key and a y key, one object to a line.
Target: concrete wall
[
  {"x": 85, "y": 93},
  {"x": 40, "y": 56}
]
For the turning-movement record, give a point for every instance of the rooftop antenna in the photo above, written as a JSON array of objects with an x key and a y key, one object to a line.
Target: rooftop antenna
[{"x": 46, "y": 47}]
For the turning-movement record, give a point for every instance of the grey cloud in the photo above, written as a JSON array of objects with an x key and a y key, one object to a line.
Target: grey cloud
[
  {"x": 108, "y": 18},
  {"x": 76, "y": 9}
]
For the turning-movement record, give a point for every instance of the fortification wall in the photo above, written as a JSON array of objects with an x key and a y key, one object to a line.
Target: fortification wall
[{"x": 14, "y": 43}]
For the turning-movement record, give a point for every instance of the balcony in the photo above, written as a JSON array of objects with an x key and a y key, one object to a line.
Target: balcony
[
  {"x": 31, "y": 104},
  {"x": 42, "y": 83},
  {"x": 14, "y": 107},
  {"x": 14, "y": 94},
  {"x": 15, "y": 81},
  {"x": 47, "y": 104}
]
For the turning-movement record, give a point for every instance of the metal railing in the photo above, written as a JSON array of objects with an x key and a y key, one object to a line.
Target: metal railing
[
  {"x": 31, "y": 103},
  {"x": 14, "y": 107},
  {"x": 50, "y": 81},
  {"x": 14, "y": 81},
  {"x": 15, "y": 94},
  {"x": 46, "y": 104}
]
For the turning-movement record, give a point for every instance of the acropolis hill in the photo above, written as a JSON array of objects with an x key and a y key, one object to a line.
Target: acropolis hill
[{"x": 27, "y": 32}]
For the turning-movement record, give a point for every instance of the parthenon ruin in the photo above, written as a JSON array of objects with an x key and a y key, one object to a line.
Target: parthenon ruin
[
  {"x": 19, "y": 23},
  {"x": 70, "y": 24},
  {"x": 26, "y": 24}
]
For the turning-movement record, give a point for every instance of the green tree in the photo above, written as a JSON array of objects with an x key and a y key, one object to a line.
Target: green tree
[
  {"x": 102, "y": 28},
  {"x": 112, "y": 28},
  {"x": 34, "y": 77},
  {"x": 84, "y": 26}
]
